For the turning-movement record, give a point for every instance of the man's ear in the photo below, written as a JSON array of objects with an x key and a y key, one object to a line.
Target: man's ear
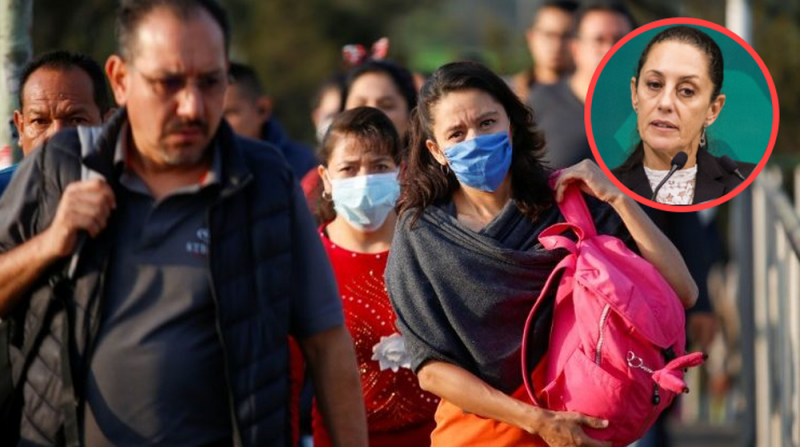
[
  {"x": 118, "y": 77},
  {"x": 436, "y": 152},
  {"x": 19, "y": 122},
  {"x": 264, "y": 107}
]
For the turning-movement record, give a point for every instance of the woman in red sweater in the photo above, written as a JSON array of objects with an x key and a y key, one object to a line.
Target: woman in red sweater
[{"x": 360, "y": 155}]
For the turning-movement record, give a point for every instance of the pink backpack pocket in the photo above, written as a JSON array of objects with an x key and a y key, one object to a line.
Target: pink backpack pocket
[{"x": 617, "y": 342}]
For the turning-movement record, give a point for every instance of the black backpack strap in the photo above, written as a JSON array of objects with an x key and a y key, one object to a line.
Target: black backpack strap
[
  {"x": 69, "y": 401},
  {"x": 63, "y": 292}
]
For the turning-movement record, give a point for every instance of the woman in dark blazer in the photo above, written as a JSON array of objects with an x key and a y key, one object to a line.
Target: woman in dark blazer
[{"x": 676, "y": 95}]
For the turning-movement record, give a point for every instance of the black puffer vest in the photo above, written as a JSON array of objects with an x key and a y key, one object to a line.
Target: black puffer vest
[{"x": 250, "y": 265}]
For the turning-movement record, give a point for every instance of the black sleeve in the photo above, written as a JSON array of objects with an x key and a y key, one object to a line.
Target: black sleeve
[
  {"x": 697, "y": 246},
  {"x": 607, "y": 221}
]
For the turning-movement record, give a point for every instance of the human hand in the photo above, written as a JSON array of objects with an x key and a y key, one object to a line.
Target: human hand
[
  {"x": 563, "y": 429},
  {"x": 590, "y": 179},
  {"x": 84, "y": 206}
]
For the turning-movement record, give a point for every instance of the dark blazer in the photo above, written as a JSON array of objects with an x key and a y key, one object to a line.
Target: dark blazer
[{"x": 713, "y": 181}]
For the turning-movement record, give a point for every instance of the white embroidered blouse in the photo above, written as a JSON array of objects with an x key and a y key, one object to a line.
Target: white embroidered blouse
[{"x": 679, "y": 189}]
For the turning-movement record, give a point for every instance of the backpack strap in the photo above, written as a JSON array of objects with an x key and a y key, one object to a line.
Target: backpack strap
[
  {"x": 69, "y": 402},
  {"x": 566, "y": 264},
  {"x": 88, "y": 137},
  {"x": 62, "y": 291},
  {"x": 574, "y": 208}
]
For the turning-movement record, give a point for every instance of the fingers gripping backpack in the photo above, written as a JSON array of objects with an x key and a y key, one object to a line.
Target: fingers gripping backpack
[{"x": 617, "y": 342}]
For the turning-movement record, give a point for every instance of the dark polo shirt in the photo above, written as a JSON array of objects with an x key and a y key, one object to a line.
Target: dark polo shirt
[
  {"x": 156, "y": 374},
  {"x": 559, "y": 114}
]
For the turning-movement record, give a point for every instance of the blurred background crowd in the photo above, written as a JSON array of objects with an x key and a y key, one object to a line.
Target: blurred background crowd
[{"x": 292, "y": 56}]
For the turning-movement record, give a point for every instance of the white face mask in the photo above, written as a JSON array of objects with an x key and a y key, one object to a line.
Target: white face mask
[{"x": 365, "y": 201}]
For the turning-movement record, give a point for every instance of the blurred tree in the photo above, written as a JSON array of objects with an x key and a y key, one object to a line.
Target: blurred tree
[
  {"x": 15, "y": 50},
  {"x": 86, "y": 26},
  {"x": 295, "y": 44}
]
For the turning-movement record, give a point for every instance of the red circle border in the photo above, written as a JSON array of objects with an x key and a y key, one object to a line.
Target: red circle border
[{"x": 767, "y": 77}]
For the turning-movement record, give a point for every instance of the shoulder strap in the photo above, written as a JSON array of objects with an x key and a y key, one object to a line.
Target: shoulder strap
[
  {"x": 564, "y": 267},
  {"x": 88, "y": 137},
  {"x": 69, "y": 402},
  {"x": 575, "y": 211},
  {"x": 574, "y": 208}
]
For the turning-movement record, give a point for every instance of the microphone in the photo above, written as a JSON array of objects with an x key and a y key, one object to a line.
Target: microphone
[
  {"x": 678, "y": 162},
  {"x": 730, "y": 166}
]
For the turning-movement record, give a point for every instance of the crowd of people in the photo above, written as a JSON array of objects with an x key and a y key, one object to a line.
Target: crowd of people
[{"x": 177, "y": 270}]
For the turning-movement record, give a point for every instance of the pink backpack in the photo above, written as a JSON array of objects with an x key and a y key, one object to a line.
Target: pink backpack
[{"x": 617, "y": 343}]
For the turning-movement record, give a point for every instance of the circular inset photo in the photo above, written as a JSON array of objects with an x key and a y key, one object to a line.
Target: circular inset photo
[{"x": 682, "y": 114}]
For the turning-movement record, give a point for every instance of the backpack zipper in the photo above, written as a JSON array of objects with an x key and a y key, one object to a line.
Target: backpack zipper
[
  {"x": 603, "y": 318},
  {"x": 656, "y": 401}
]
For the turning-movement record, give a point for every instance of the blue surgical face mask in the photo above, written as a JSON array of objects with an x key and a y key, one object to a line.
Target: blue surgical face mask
[
  {"x": 482, "y": 162},
  {"x": 365, "y": 201}
]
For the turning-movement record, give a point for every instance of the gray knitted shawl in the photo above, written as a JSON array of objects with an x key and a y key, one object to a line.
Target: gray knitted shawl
[{"x": 462, "y": 296}]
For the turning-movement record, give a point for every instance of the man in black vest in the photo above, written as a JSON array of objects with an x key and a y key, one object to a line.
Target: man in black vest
[{"x": 197, "y": 257}]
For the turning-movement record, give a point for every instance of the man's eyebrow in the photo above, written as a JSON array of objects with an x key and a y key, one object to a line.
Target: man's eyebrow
[
  {"x": 167, "y": 73},
  {"x": 34, "y": 110}
]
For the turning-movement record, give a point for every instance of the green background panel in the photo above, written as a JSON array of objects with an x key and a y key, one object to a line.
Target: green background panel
[{"x": 742, "y": 130}]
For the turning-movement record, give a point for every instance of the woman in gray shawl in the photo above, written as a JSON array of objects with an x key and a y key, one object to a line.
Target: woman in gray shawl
[{"x": 466, "y": 266}]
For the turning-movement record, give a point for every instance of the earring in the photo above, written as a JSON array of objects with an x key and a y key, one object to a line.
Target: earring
[
  {"x": 326, "y": 196},
  {"x": 636, "y": 109},
  {"x": 703, "y": 137},
  {"x": 446, "y": 169}
]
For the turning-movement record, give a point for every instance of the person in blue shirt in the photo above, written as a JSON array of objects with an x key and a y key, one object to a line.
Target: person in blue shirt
[
  {"x": 249, "y": 111},
  {"x": 58, "y": 89}
]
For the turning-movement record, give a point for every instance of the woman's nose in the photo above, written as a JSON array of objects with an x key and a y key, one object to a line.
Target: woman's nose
[{"x": 665, "y": 101}]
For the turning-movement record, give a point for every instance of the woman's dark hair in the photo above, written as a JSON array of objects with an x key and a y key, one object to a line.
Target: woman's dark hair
[
  {"x": 701, "y": 41},
  {"x": 375, "y": 133},
  {"x": 424, "y": 182},
  {"x": 401, "y": 77},
  {"x": 697, "y": 39}
]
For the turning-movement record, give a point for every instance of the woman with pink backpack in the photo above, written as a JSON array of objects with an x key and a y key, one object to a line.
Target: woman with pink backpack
[{"x": 466, "y": 266}]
